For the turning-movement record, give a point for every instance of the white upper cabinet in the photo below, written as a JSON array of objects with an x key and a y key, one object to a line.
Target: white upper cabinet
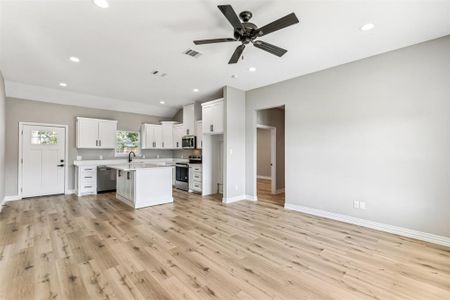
[
  {"x": 178, "y": 133},
  {"x": 212, "y": 112},
  {"x": 199, "y": 134},
  {"x": 167, "y": 134},
  {"x": 107, "y": 134},
  {"x": 151, "y": 136},
  {"x": 96, "y": 133},
  {"x": 189, "y": 119}
]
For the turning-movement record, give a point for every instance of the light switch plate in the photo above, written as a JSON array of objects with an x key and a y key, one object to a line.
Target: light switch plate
[{"x": 356, "y": 204}]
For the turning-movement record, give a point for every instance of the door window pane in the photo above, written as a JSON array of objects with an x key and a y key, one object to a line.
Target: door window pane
[{"x": 44, "y": 137}]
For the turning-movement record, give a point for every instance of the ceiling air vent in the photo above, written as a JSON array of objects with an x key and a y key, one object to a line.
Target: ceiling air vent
[
  {"x": 159, "y": 74},
  {"x": 192, "y": 53}
]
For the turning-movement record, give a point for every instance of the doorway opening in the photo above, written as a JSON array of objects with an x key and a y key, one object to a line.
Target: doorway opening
[{"x": 270, "y": 155}]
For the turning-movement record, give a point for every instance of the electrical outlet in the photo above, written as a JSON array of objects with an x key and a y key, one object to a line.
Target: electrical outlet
[
  {"x": 362, "y": 205},
  {"x": 356, "y": 204}
]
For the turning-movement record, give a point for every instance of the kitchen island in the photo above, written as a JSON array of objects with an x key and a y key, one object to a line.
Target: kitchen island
[{"x": 141, "y": 185}]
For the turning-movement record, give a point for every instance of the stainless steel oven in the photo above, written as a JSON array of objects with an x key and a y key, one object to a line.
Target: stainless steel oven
[
  {"x": 189, "y": 142},
  {"x": 182, "y": 176}
]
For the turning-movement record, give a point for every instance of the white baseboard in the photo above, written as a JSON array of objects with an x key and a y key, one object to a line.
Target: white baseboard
[
  {"x": 233, "y": 199},
  {"x": 70, "y": 192},
  {"x": 12, "y": 198},
  {"x": 419, "y": 235},
  {"x": 239, "y": 198},
  {"x": 251, "y": 198},
  {"x": 263, "y": 177},
  {"x": 7, "y": 199}
]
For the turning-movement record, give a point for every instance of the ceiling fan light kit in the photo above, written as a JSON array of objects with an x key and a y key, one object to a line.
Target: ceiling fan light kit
[{"x": 246, "y": 32}]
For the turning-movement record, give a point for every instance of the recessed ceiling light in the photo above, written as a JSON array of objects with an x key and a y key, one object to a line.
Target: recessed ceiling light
[
  {"x": 367, "y": 27},
  {"x": 63, "y": 84},
  {"x": 195, "y": 90},
  {"x": 101, "y": 3},
  {"x": 74, "y": 59},
  {"x": 252, "y": 69},
  {"x": 162, "y": 102}
]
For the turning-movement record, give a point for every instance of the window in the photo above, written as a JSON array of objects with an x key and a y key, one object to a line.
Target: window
[
  {"x": 127, "y": 141},
  {"x": 43, "y": 137}
]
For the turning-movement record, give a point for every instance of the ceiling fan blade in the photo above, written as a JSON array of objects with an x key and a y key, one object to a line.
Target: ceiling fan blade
[
  {"x": 231, "y": 15},
  {"x": 237, "y": 54},
  {"x": 281, "y": 23},
  {"x": 212, "y": 41},
  {"x": 270, "y": 48}
]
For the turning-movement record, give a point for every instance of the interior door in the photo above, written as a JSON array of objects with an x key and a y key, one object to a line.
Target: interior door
[{"x": 43, "y": 165}]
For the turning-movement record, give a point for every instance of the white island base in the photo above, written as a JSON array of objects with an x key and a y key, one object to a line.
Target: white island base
[{"x": 143, "y": 185}]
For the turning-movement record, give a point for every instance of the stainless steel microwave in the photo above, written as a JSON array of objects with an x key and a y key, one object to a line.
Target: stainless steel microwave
[{"x": 189, "y": 142}]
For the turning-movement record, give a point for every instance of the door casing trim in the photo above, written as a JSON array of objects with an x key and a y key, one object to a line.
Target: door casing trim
[{"x": 20, "y": 154}]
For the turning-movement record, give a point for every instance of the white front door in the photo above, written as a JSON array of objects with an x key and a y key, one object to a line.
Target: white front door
[{"x": 43, "y": 165}]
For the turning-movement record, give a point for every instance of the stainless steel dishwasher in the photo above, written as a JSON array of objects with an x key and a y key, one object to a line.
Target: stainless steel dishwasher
[{"x": 106, "y": 179}]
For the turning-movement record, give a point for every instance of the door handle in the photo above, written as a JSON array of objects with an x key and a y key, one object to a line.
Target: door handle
[
  {"x": 96, "y": 143},
  {"x": 211, "y": 128},
  {"x": 61, "y": 165}
]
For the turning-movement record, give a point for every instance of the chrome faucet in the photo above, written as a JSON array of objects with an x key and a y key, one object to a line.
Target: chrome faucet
[{"x": 130, "y": 159}]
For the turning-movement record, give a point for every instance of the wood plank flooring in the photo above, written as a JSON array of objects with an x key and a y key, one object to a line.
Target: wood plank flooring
[
  {"x": 264, "y": 192},
  {"x": 94, "y": 247}
]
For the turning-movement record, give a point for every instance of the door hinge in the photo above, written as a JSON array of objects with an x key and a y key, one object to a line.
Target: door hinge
[{"x": 21, "y": 132}]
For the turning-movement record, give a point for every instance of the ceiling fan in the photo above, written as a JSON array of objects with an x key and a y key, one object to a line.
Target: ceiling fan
[{"x": 247, "y": 32}]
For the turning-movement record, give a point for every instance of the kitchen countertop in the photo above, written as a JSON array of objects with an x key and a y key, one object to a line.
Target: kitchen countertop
[
  {"x": 138, "y": 166},
  {"x": 125, "y": 161}
]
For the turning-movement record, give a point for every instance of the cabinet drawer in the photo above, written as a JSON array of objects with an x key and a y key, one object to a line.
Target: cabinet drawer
[
  {"x": 196, "y": 168},
  {"x": 197, "y": 186},
  {"x": 88, "y": 182},
  {"x": 88, "y": 177},
  {"x": 88, "y": 171},
  {"x": 88, "y": 188},
  {"x": 197, "y": 176}
]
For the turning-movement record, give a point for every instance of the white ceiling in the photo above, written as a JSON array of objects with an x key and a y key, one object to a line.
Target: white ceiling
[{"x": 119, "y": 47}]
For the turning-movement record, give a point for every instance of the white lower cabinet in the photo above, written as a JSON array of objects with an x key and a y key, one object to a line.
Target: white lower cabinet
[
  {"x": 86, "y": 180},
  {"x": 195, "y": 178},
  {"x": 125, "y": 186}
]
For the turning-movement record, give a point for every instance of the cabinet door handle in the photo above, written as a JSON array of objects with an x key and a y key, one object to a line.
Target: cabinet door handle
[
  {"x": 163, "y": 144},
  {"x": 128, "y": 175},
  {"x": 96, "y": 143},
  {"x": 177, "y": 144},
  {"x": 211, "y": 127},
  {"x": 187, "y": 131},
  {"x": 100, "y": 143}
]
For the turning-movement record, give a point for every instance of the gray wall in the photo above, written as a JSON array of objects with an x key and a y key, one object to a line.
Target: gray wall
[
  {"x": 34, "y": 111},
  {"x": 275, "y": 117},
  {"x": 263, "y": 153},
  {"x": 234, "y": 143},
  {"x": 2, "y": 137},
  {"x": 375, "y": 130}
]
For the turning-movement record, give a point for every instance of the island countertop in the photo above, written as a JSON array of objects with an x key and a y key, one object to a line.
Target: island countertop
[{"x": 137, "y": 166}]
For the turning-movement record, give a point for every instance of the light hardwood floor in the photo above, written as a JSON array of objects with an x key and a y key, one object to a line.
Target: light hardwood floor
[
  {"x": 264, "y": 192},
  {"x": 65, "y": 247}
]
